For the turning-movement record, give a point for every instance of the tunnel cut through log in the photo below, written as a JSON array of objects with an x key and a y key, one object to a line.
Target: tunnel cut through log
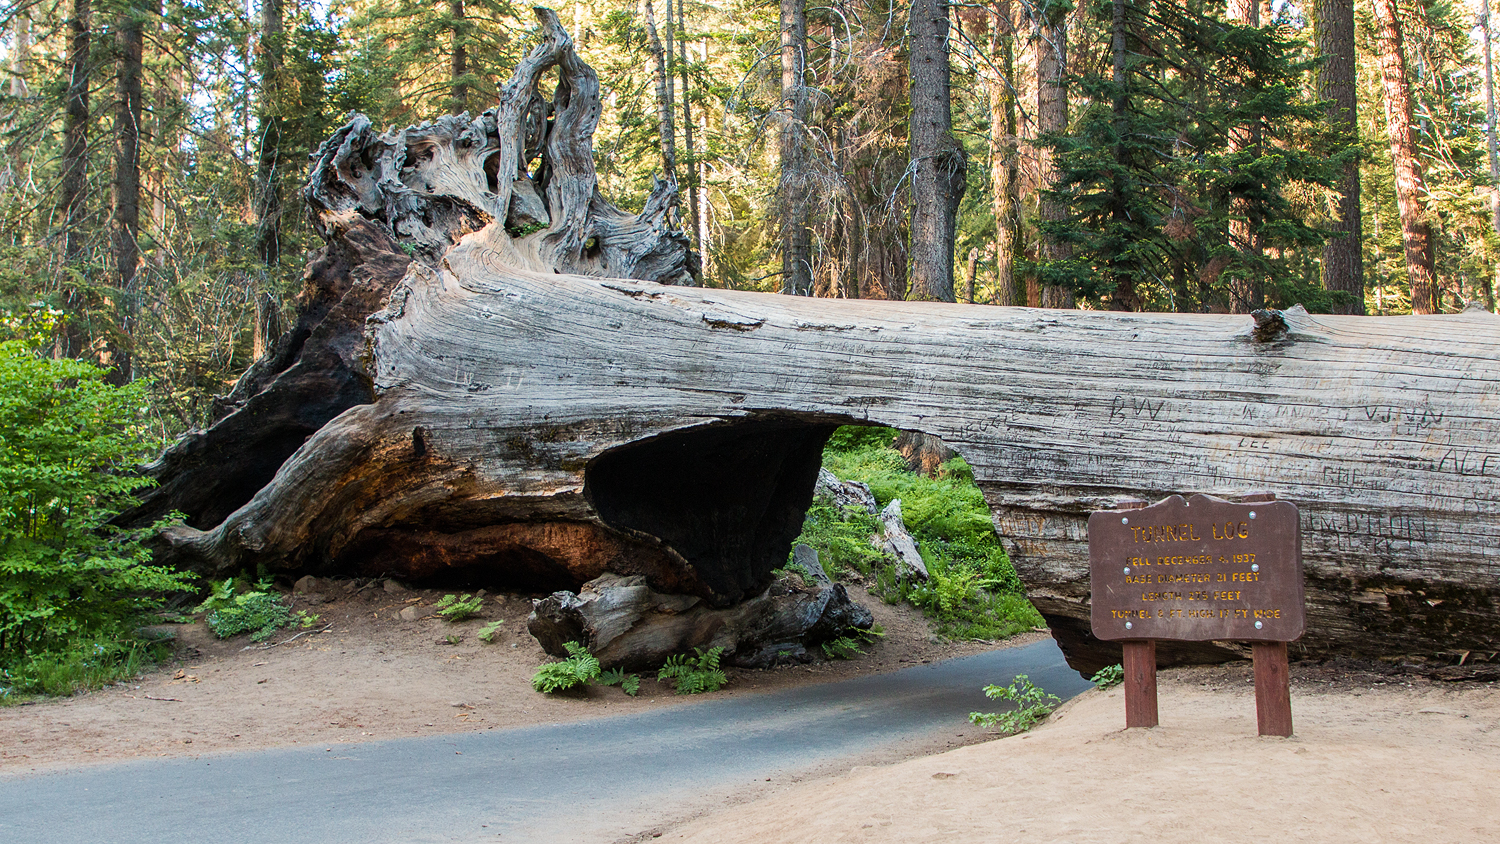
[{"x": 518, "y": 406}]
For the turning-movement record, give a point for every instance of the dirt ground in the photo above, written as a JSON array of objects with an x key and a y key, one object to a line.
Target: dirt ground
[
  {"x": 362, "y": 673},
  {"x": 1376, "y": 756},
  {"x": 1373, "y": 759}
]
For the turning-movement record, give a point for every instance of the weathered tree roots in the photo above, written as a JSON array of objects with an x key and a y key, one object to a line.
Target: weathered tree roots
[{"x": 626, "y": 624}]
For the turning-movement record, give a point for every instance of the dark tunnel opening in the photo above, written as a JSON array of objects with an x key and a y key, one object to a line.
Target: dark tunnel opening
[{"x": 728, "y": 498}]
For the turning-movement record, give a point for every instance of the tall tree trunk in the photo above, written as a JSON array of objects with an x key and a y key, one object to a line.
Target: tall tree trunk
[
  {"x": 268, "y": 203},
  {"x": 1246, "y": 293},
  {"x": 20, "y": 57},
  {"x": 687, "y": 126},
  {"x": 1000, "y": 76},
  {"x": 125, "y": 188},
  {"x": 664, "y": 120},
  {"x": 72, "y": 205},
  {"x": 1050, "y": 29},
  {"x": 1491, "y": 141},
  {"x": 460, "y": 61},
  {"x": 1411, "y": 187},
  {"x": 700, "y": 185},
  {"x": 1124, "y": 296},
  {"x": 1343, "y": 258},
  {"x": 939, "y": 164},
  {"x": 796, "y": 241}
]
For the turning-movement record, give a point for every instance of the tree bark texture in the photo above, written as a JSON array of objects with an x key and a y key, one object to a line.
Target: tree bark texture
[
  {"x": 72, "y": 204},
  {"x": 693, "y": 167},
  {"x": 792, "y": 189},
  {"x": 664, "y": 121},
  {"x": 999, "y": 78},
  {"x": 268, "y": 171},
  {"x": 125, "y": 188},
  {"x": 1343, "y": 259},
  {"x": 459, "y": 400},
  {"x": 1050, "y": 30},
  {"x": 1246, "y": 291},
  {"x": 459, "y": 63},
  {"x": 1411, "y": 186},
  {"x": 1492, "y": 139},
  {"x": 939, "y": 165}
]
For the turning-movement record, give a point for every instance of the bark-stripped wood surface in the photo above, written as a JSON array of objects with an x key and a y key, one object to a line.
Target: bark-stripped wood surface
[{"x": 531, "y": 425}]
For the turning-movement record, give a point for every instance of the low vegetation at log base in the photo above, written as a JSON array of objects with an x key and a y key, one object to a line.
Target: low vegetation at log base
[
  {"x": 1033, "y": 703},
  {"x": 73, "y": 590},
  {"x": 688, "y": 674},
  {"x": 235, "y": 606},
  {"x": 972, "y": 591}
]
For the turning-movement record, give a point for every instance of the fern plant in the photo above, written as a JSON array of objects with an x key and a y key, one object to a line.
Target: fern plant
[
  {"x": 630, "y": 684},
  {"x": 454, "y": 608},
  {"x": 489, "y": 632},
  {"x": 577, "y": 669},
  {"x": 694, "y": 674}
]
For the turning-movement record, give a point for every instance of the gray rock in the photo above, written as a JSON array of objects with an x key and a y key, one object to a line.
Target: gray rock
[
  {"x": 807, "y": 557},
  {"x": 395, "y": 586},
  {"x": 410, "y": 614},
  {"x": 851, "y": 495},
  {"x": 307, "y": 583}
]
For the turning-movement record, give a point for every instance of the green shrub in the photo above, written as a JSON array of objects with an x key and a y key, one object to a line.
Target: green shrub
[
  {"x": 230, "y": 613},
  {"x": 694, "y": 674},
  {"x": 454, "y": 608},
  {"x": 68, "y": 579},
  {"x": 1109, "y": 676},
  {"x": 1032, "y": 705},
  {"x": 579, "y": 668}
]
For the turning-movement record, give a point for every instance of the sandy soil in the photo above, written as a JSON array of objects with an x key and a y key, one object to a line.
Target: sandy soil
[
  {"x": 363, "y": 674},
  {"x": 1387, "y": 759}
]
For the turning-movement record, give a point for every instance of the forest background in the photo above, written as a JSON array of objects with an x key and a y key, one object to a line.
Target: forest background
[{"x": 1152, "y": 155}]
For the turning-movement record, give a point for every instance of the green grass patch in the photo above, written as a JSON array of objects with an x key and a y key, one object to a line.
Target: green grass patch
[
  {"x": 973, "y": 591},
  {"x": 80, "y": 667}
]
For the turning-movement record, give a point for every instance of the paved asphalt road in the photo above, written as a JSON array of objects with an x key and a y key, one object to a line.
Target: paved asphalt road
[{"x": 589, "y": 781}]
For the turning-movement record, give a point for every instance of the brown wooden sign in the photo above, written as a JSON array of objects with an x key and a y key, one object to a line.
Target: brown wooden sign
[
  {"x": 1197, "y": 569},
  {"x": 1200, "y": 568}
]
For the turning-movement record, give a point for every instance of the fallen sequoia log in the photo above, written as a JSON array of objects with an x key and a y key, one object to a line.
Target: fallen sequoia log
[{"x": 476, "y": 389}]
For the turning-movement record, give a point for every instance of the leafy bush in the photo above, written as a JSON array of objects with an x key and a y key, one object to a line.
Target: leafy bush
[
  {"x": 579, "y": 668},
  {"x": 1032, "y": 705},
  {"x": 1109, "y": 676},
  {"x": 259, "y": 610},
  {"x": 68, "y": 580},
  {"x": 454, "y": 608},
  {"x": 694, "y": 674}
]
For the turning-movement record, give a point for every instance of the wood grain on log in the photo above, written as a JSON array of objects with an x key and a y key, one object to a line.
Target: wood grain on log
[{"x": 675, "y": 432}]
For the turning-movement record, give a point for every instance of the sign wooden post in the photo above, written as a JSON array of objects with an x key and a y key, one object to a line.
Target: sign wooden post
[{"x": 1200, "y": 569}]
